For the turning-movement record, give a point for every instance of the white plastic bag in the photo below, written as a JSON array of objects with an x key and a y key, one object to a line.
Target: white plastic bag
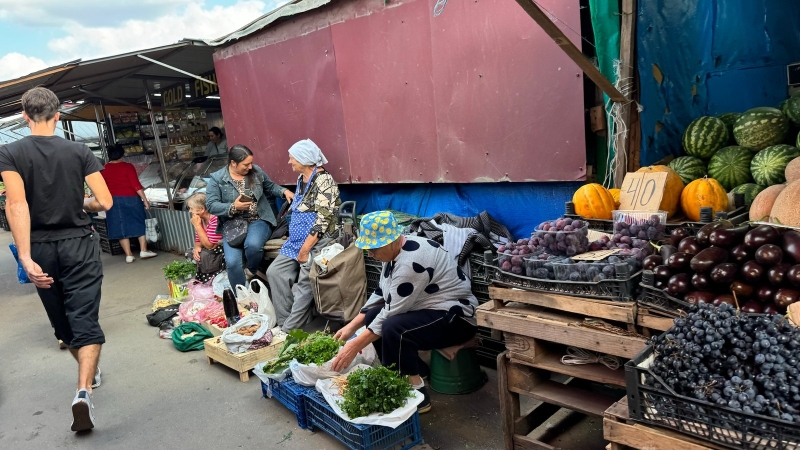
[
  {"x": 327, "y": 254},
  {"x": 220, "y": 283},
  {"x": 238, "y": 343},
  {"x": 152, "y": 232},
  {"x": 392, "y": 420},
  {"x": 265, "y": 377},
  {"x": 308, "y": 375},
  {"x": 257, "y": 301}
]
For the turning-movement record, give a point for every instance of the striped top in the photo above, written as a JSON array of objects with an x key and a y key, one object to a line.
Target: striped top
[{"x": 211, "y": 232}]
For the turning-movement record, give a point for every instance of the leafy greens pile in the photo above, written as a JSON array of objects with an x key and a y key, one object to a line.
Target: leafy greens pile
[
  {"x": 177, "y": 270},
  {"x": 317, "y": 348},
  {"x": 374, "y": 390}
]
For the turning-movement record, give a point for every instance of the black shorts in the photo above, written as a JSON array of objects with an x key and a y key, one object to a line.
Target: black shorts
[{"x": 73, "y": 300}]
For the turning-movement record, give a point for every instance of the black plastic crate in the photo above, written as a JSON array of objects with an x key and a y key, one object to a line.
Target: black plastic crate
[
  {"x": 713, "y": 423},
  {"x": 111, "y": 247},
  {"x": 373, "y": 281},
  {"x": 657, "y": 299},
  {"x": 371, "y": 262},
  {"x": 623, "y": 290},
  {"x": 4, "y": 220}
]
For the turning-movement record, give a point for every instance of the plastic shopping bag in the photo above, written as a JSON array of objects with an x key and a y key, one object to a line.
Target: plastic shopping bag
[
  {"x": 22, "y": 276},
  {"x": 220, "y": 283},
  {"x": 256, "y": 298},
  {"x": 201, "y": 291},
  {"x": 200, "y": 310},
  {"x": 152, "y": 232},
  {"x": 327, "y": 254},
  {"x": 239, "y": 343},
  {"x": 309, "y": 374}
]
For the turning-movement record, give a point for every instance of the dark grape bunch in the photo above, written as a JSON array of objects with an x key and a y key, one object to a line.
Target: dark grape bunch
[{"x": 743, "y": 362}]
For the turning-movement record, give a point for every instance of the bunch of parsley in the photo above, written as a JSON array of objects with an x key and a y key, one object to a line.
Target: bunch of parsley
[{"x": 374, "y": 390}]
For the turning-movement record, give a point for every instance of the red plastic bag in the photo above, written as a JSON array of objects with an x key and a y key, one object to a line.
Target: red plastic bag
[
  {"x": 200, "y": 310},
  {"x": 201, "y": 291}
]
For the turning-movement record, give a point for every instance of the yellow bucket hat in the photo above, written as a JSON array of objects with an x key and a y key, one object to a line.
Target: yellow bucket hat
[{"x": 377, "y": 230}]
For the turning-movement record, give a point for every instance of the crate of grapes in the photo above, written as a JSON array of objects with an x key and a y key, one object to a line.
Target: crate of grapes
[{"x": 700, "y": 391}]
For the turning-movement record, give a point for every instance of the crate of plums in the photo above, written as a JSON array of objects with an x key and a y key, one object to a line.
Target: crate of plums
[{"x": 728, "y": 378}]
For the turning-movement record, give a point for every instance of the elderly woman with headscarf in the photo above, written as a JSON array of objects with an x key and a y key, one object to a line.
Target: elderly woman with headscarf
[{"x": 312, "y": 223}]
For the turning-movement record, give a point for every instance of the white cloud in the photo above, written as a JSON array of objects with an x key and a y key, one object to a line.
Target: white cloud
[
  {"x": 48, "y": 13},
  {"x": 15, "y": 65}
]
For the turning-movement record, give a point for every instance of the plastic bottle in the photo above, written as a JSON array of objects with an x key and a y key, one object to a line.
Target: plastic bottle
[{"x": 230, "y": 306}]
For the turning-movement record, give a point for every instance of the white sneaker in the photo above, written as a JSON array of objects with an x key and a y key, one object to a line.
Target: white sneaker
[
  {"x": 129, "y": 259},
  {"x": 82, "y": 417},
  {"x": 97, "y": 379},
  {"x": 147, "y": 255}
]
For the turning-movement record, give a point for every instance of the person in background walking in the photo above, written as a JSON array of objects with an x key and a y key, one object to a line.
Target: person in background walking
[
  {"x": 217, "y": 145},
  {"x": 126, "y": 219},
  {"x": 44, "y": 177}
]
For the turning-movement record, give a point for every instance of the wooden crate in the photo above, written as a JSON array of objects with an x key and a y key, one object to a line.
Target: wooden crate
[
  {"x": 651, "y": 323},
  {"x": 216, "y": 351},
  {"x": 623, "y": 433}
]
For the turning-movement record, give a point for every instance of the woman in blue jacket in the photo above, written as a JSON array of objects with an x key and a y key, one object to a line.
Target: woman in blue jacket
[{"x": 243, "y": 191}]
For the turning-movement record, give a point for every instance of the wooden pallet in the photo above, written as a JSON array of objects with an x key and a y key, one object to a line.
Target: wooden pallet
[
  {"x": 623, "y": 433},
  {"x": 216, "y": 351}
]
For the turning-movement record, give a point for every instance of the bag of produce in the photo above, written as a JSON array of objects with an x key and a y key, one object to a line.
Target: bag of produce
[
  {"x": 250, "y": 333},
  {"x": 189, "y": 336},
  {"x": 366, "y": 390},
  {"x": 312, "y": 361},
  {"x": 200, "y": 290},
  {"x": 200, "y": 310},
  {"x": 256, "y": 299}
]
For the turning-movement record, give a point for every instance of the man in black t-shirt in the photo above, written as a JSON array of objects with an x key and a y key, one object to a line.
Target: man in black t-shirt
[{"x": 44, "y": 177}]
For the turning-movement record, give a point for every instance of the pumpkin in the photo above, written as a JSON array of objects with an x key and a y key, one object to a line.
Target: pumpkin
[
  {"x": 701, "y": 193},
  {"x": 593, "y": 201},
  {"x": 672, "y": 189},
  {"x": 615, "y": 194}
]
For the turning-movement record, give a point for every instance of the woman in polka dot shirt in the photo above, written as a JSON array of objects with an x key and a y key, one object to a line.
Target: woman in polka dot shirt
[{"x": 424, "y": 301}]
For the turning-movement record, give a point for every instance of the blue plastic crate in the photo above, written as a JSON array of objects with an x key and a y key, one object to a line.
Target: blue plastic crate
[
  {"x": 361, "y": 437},
  {"x": 290, "y": 394}
]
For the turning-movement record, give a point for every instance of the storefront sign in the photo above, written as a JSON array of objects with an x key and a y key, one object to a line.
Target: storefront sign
[
  {"x": 205, "y": 89},
  {"x": 176, "y": 94},
  {"x": 173, "y": 96}
]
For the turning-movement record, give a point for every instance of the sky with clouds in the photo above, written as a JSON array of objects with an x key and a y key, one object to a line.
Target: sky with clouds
[{"x": 35, "y": 34}]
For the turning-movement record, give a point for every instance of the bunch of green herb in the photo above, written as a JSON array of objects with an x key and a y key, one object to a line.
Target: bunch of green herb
[
  {"x": 178, "y": 270},
  {"x": 318, "y": 348},
  {"x": 374, "y": 390},
  {"x": 286, "y": 355}
]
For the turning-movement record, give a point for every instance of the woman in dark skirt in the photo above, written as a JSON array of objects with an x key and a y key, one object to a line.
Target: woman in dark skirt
[{"x": 125, "y": 220}]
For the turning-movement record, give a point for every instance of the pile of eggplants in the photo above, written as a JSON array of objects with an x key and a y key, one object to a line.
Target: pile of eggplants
[{"x": 756, "y": 269}]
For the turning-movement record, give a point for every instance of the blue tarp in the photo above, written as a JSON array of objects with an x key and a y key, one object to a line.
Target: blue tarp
[
  {"x": 518, "y": 206},
  {"x": 715, "y": 56}
]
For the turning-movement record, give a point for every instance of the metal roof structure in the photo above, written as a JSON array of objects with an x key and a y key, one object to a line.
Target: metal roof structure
[{"x": 290, "y": 9}]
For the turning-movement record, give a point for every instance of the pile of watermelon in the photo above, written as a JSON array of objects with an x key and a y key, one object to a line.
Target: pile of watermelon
[{"x": 745, "y": 152}]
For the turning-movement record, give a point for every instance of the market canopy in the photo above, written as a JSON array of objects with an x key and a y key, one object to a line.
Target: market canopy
[{"x": 117, "y": 78}]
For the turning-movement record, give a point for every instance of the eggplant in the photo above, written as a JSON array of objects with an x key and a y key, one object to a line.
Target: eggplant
[
  {"x": 679, "y": 262},
  {"x": 793, "y": 275},
  {"x": 770, "y": 309},
  {"x": 662, "y": 272},
  {"x": 678, "y": 235},
  {"x": 678, "y": 284},
  {"x": 753, "y": 307},
  {"x": 785, "y": 297},
  {"x": 762, "y": 234},
  {"x": 769, "y": 255},
  {"x": 689, "y": 245},
  {"x": 700, "y": 297},
  {"x": 708, "y": 258},
  {"x": 777, "y": 274},
  {"x": 728, "y": 237},
  {"x": 765, "y": 293},
  {"x": 724, "y": 273},
  {"x": 702, "y": 281},
  {"x": 740, "y": 254},
  {"x": 752, "y": 272},
  {"x": 666, "y": 251},
  {"x": 650, "y": 262},
  {"x": 742, "y": 290},
  {"x": 704, "y": 233},
  {"x": 791, "y": 244},
  {"x": 724, "y": 298},
  {"x": 660, "y": 284}
]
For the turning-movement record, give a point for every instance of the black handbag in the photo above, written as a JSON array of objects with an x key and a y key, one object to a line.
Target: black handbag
[
  {"x": 211, "y": 261},
  {"x": 234, "y": 230}
]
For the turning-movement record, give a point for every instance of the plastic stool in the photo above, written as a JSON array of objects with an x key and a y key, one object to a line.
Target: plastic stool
[{"x": 462, "y": 375}]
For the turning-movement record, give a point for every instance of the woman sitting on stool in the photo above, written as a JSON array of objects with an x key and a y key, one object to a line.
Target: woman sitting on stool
[{"x": 207, "y": 242}]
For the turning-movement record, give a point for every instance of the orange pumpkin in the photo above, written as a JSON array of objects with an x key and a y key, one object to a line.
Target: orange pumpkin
[
  {"x": 593, "y": 201},
  {"x": 672, "y": 189},
  {"x": 615, "y": 194},
  {"x": 701, "y": 193}
]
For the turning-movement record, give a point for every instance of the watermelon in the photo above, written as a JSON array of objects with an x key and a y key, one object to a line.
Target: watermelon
[
  {"x": 704, "y": 136},
  {"x": 731, "y": 166},
  {"x": 688, "y": 168},
  {"x": 730, "y": 119},
  {"x": 750, "y": 190},
  {"x": 792, "y": 108},
  {"x": 760, "y": 128},
  {"x": 769, "y": 165}
]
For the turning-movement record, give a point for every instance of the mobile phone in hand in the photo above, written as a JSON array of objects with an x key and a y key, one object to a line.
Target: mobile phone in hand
[{"x": 246, "y": 199}]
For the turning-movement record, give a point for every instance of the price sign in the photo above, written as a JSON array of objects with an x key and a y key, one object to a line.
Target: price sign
[
  {"x": 596, "y": 255},
  {"x": 642, "y": 191},
  {"x": 594, "y": 235}
]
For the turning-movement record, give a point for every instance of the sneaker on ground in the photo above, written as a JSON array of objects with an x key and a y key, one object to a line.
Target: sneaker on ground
[
  {"x": 129, "y": 259},
  {"x": 97, "y": 379},
  {"x": 425, "y": 406},
  {"x": 82, "y": 417},
  {"x": 147, "y": 255},
  {"x": 62, "y": 345}
]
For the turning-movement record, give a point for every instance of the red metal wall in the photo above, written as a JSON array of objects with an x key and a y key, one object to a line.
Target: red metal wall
[{"x": 394, "y": 94}]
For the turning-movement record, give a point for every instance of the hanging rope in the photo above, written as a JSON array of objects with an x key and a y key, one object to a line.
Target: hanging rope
[{"x": 576, "y": 356}]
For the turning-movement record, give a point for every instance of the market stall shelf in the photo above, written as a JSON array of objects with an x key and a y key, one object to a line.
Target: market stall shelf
[
  {"x": 216, "y": 351},
  {"x": 622, "y": 433}
]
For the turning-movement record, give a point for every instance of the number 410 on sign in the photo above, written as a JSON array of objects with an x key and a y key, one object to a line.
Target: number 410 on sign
[{"x": 642, "y": 191}]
